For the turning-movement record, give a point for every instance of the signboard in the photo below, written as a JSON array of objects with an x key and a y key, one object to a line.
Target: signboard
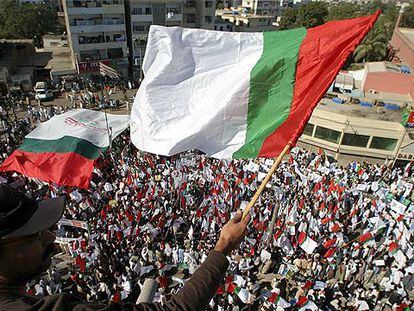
[
  {"x": 73, "y": 223},
  {"x": 92, "y": 66},
  {"x": 405, "y": 156}
]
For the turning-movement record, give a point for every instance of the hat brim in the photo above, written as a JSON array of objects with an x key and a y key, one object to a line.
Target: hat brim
[{"x": 48, "y": 213}]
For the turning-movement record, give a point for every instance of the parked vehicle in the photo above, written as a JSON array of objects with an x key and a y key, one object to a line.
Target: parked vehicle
[{"x": 42, "y": 91}]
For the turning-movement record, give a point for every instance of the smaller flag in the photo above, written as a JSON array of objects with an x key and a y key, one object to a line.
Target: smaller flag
[
  {"x": 105, "y": 70},
  {"x": 329, "y": 253},
  {"x": 393, "y": 247},
  {"x": 365, "y": 237}
]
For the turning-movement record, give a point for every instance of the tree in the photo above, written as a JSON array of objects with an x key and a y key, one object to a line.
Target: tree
[
  {"x": 312, "y": 14},
  {"x": 373, "y": 48},
  {"x": 344, "y": 10},
  {"x": 26, "y": 21},
  {"x": 288, "y": 20},
  {"x": 407, "y": 18}
]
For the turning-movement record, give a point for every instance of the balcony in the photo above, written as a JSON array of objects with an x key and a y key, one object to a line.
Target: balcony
[
  {"x": 175, "y": 18},
  {"x": 141, "y": 18},
  {"x": 189, "y": 10},
  {"x": 102, "y": 45},
  {"x": 113, "y": 9},
  {"x": 97, "y": 28}
]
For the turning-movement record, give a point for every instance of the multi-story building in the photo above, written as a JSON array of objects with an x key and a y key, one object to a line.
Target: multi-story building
[
  {"x": 262, "y": 7},
  {"x": 113, "y": 31},
  {"x": 97, "y": 33}
]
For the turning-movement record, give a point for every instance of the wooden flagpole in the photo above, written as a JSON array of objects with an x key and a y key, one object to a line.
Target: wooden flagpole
[{"x": 266, "y": 180}]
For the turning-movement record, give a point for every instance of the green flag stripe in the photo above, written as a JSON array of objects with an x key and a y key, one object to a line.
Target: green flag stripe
[
  {"x": 271, "y": 88},
  {"x": 63, "y": 145}
]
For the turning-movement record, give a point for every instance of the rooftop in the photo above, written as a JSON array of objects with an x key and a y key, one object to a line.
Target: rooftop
[
  {"x": 358, "y": 111},
  {"x": 408, "y": 33}
]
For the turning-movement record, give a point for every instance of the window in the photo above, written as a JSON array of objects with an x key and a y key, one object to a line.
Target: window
[
  {"x": 138, "y": 28},
  {"x": 209, "y": 4},
  {"x": 190, "y": 18},
  {"x": 383, "y": 143},
  {"x": 309, "y": 129},
  {"x": 136, "y": 11},
  {"x": 327, "y": 134},
  {"x": 115, "y": 53},
  {"x": 148, "y": 11},
  {"x": 221, "y": 28},
  {"x": 208, "y": 19},
  {"x": 355, "y": 140}
]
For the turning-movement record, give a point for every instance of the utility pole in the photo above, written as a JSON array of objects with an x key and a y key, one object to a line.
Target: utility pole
[{"x": 130, "y": 45}]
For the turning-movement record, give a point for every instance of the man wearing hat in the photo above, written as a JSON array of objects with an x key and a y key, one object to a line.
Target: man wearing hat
[{"x": 27, "y": 246}]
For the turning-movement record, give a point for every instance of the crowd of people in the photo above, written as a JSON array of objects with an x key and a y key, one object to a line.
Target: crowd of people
[{"x": 340, "y": 238}]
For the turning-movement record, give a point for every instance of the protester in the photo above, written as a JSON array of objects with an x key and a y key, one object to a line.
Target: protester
[{"x": 342, "y": 238}]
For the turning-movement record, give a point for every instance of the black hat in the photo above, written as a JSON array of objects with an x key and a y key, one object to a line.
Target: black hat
[{"x": 21, "y": 216}]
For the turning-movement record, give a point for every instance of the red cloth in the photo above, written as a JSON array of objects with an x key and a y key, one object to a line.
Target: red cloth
[
  {"x": 316, "y": 70},
  {"x": 329, "y": 243},
  {"x": 330, "y": 252},
  {"x": 365, "y": 237}
]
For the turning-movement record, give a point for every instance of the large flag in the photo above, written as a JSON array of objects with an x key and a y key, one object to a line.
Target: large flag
[
  {"x": 63, "y": 150},
  {"x": 236, "y": 95}
]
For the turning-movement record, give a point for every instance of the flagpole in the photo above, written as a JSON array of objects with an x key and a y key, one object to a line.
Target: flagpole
[{"x": 266, "y": 180}]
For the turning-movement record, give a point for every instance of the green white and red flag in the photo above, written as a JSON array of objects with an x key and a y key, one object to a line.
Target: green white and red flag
[
  {"x": 63, "y": 150},
  {"x": 237, "y": 95}
]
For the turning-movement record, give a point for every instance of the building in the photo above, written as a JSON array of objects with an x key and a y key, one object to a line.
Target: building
[
  {"x": 388, "y": 82},
  {"x": 402, "y": 42},
  {"x": 115, "y": 31},
  {"x": 262, "y": 7},
  {"x": 247, "y": 22},
  {"x": 223, "y": 25},
  {"x": 351, "y": 132},
  {"x": 97, "y": 33},
  {"x": 20, "y": 65},
  {"x": 60, "y": 64}
]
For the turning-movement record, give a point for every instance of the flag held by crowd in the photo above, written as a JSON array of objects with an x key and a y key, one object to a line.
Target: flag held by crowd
[
  {"x": 106, "y": 70},
  {"x": 237, "y": 95},
  {"x": 63, "y": 149}
]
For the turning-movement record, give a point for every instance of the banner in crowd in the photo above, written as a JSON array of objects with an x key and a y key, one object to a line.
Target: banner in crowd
[
  {"x": 73, "y": 223},
  {"x": 63, "y": 149},
  {"x": 237, "y": 95}
]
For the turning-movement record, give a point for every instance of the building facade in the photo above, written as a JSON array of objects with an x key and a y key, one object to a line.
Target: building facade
[
  {"x": 115, "y": 31},
  {"x": 262, "y": 7},
  {"x": 96, "y": 33}
]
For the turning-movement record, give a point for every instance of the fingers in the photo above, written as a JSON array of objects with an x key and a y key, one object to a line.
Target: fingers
[
  {"x": 246, "y": 219},
  {"x": 237, "y": 217}
]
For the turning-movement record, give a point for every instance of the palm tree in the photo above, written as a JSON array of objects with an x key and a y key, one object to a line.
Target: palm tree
[{"x": 373, "y": 48}]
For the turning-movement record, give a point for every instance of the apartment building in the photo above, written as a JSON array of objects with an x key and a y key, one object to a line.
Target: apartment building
[
  {"x": 262, "y": 7},
  {"x": 115, "y": 31},
  {"x": 97, "y": 33}
]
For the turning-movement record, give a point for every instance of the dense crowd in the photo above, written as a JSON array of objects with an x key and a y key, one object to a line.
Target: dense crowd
[{"x": 341, "y": 239}]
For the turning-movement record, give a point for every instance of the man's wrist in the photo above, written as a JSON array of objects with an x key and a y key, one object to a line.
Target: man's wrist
[{"x": 223, "y": 247}]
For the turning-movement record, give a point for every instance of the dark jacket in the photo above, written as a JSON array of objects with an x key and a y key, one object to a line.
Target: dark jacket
[{"x": 195, "y": 295}]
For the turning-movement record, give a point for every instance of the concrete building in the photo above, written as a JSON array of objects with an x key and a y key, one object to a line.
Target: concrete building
[
  {"x": 20, "y": 65},
  {"x": 246, "y": 22},
  {"x": 115, "y": 31},
  {"x": 351, "y": 132},
  {"x": 262, "y": 7},
  {"x": 96, "y": 33},
  {"x": 223, "y": 25},
  {"x": 402, "y": 42}
]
